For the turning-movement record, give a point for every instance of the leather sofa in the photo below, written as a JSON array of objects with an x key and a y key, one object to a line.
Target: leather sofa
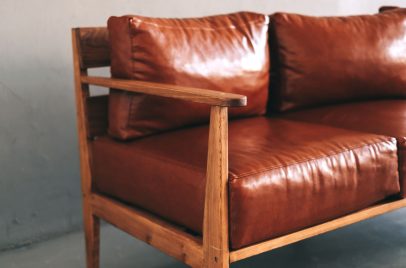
[{"x": 320, "y": 143}]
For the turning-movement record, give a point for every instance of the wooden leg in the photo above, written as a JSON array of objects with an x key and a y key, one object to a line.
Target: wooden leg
[
  {"x": 92, "y": 239},
  {"x": 215, "y": 227}
]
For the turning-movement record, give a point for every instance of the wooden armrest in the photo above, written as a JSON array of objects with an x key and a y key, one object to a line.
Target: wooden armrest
[{"x": 206, "y": 96}]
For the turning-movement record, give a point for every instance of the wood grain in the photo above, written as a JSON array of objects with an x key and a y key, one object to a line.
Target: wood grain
[
  {"x": 215, "y": 227},
  {"x": 94, "y": 47},
  {"x": 211, "y": 97},
  {"x": 144, "y": 226},
  {"x": 91, "y": 223},
  {"x": 316, "y": 230}
]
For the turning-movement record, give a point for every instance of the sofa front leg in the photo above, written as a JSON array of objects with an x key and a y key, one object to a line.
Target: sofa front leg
[
  {"x": 215, "y": 227},
  {"x": 92, "y": 237}
]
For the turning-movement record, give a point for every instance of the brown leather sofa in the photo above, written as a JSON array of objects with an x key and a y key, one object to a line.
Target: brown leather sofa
[{"x": 315, "y": 138}]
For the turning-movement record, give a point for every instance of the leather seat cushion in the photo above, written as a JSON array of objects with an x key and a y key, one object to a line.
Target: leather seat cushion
[
  {"x": 283, "y": 175},
  {"x": 226, "y": 53},
  {"x": 385, "y": 117}
]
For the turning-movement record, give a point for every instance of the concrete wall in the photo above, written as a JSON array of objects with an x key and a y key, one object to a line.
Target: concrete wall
[{"x": 39, "y": 169}]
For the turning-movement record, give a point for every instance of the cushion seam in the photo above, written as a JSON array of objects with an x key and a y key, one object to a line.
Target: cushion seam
[
  {"x": 234, "y": 176},
  {"x": 330, "y": 154}
]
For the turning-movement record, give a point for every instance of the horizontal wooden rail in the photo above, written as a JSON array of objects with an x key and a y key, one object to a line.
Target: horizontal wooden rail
[
  {"x": 211, "y": 97},
  {"x": 158, "y": 233},
  {"x": 316, "y": 230}
]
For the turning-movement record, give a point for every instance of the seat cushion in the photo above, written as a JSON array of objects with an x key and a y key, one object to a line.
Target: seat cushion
[
  {"x": 324, "y": 60},
  {"x": 385, "y": 117},
  {"x": 283, "y": 175},
  {"x": 227, "y": 53}
]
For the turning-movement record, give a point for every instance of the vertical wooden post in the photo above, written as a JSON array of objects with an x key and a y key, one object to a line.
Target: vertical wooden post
[
  {"x": 215, "y": 227},
  {"x": 91, "y": 222}
]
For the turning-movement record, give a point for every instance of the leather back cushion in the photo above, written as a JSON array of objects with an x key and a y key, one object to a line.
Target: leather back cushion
[
  {"x": 387, "y": 8},
  {"x": 227, "y": 53},
  {"x": 322, "y": 60}
]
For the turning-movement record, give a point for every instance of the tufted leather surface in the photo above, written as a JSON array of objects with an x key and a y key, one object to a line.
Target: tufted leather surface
[
  {"x": 227, "y": 53},
  {"x": 283, "y": 175},
  {"x": 385, "y": 117},
  {"x": 322, "y": 60}
]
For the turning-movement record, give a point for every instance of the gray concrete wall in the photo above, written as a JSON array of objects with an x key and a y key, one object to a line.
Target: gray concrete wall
[{"x": 39, "y": 169}]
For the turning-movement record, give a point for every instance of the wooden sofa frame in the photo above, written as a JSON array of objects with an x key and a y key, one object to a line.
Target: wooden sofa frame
[{"x": 90, "y": 50}]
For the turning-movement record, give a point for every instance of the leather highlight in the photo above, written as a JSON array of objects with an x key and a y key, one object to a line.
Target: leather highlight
[{"x": 328, "y": 60}]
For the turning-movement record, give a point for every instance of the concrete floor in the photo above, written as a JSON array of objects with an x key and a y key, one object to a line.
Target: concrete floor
[{"x": 379, "y": 242}]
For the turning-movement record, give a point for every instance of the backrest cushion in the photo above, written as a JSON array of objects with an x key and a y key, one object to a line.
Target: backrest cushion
[
  {"x": 323, "y": 60},
  {"x": 227, "y": 53}
]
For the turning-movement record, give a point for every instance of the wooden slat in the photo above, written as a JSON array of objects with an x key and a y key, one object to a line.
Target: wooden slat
[
  {"x": 316, "y": 230},
  {"x": 211, "y": 97},
  {"x": 215, "y": 227},
  {"x": 156, "y": 232},
  {"x": 94, "y": 47},
  {"x": 97, "y": 115}
]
